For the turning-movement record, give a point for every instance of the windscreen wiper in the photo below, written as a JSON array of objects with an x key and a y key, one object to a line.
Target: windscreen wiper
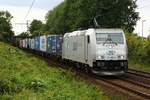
[
  {"x": 108, "y": 39},
  {"x": 114, "y": 42}
]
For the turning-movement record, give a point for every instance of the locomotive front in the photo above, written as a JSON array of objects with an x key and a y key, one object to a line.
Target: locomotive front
[{"x": 111, "y": 52}]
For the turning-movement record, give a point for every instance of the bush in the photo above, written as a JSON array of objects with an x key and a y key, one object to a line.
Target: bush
[
  {"x": 9, "y": 86},
  {"x": 138, "y": 48},
  {"x": 36, "y": 85},
  {"x": 147, "y": 47}
]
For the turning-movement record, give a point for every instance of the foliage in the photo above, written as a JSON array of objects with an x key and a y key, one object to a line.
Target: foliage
[
  {"x": 23, "y": 35},
  {"x": 138, "y": 48},
  {"x": 36, "y": 27},
  {"x": 24, "y": 77},
  {"x": 138, "y": 65},
  {"x": 9, "y": 86},
  {"x": 6, "y": 32},
  {"x": 73, "y": 14}
]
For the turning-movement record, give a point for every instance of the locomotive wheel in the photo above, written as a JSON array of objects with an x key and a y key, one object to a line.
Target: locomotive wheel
[{"x": 87, "y": 69}]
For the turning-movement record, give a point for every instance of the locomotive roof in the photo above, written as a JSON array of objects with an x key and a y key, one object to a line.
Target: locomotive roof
[{"x": 83, "y": 32}]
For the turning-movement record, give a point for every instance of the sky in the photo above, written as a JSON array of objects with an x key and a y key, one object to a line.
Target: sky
[
  {"x": 144, "y": 13},
  {"x": 19, "y": 9}
]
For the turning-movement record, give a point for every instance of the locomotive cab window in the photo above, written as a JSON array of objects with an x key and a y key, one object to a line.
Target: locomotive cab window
[{"x": 111, "y": 37}]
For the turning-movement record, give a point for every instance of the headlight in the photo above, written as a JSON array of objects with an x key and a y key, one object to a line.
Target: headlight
[
  {"x": 100, "y": 57},
  {"x": 121, "y": 57}
]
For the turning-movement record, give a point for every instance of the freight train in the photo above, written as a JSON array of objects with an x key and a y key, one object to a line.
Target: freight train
[{"x": 101, "y": 51}]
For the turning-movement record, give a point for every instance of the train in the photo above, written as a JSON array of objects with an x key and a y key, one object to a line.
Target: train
[{"x": 100, "y": 51}]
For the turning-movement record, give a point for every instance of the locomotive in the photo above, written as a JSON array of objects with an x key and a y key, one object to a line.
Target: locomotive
[{"x": 102, "y": 51}]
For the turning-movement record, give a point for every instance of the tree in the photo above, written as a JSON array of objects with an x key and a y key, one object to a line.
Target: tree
[
  {"x": 36, "y": 27},
  {"x": 6, "y": 32},
  {"x": 56, "y": 20},
  {"x": 73, "y": 14},
  {"x": 23, "y": 35}
]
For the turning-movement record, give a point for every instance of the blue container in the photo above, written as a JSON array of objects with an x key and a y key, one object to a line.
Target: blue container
[
  {"x": 54, "y": 44},
  {"x": 59, "y": 45},
  {"x": 49, "y": 44},
  {"x": 37, "y": 43}
]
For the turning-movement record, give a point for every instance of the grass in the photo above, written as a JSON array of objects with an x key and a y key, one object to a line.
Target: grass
[
  {"x": 25, "y": 77},
  {"x": 139, "y": 66}
]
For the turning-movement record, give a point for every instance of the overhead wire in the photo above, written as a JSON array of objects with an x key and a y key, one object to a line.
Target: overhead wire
[{"x": 29, "y": 9}]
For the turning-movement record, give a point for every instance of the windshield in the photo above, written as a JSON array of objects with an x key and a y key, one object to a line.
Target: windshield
[{"x": 113, "y": 37}]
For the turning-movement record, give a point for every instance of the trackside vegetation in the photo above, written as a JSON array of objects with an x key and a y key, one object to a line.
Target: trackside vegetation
[
  {"x": 6, "y": 32},
  {"x": 139, "y": 52},
  {"x": 25, "y": 77}
]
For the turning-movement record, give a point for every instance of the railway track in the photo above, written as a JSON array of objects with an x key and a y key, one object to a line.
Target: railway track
[
  {"x": 135, "y": 88},
  {"x": 139, "y": 73},
  {"x": 138, "y": 83},
  {"x": 135, "y": 84}
]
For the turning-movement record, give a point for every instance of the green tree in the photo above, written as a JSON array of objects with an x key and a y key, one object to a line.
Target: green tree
[
  {"x": 138, "y": 48},
  {"x": 6, "y": 32},
  {"x": 23, "y": 35},
  {"x": 36, "y": 27},
  {"x": 56, "y": 20},
  {"x": 73, "y": 14},
  {"x": 148, "y": 49}
]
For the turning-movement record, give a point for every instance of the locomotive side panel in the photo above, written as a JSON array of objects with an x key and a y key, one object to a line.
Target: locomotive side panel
[{"x": 74, "y": 47}]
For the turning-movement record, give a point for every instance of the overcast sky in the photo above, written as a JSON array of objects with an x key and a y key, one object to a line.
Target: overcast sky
[
  {"x": 19, "y": 9},
  {"x": 144, "y": 12}
]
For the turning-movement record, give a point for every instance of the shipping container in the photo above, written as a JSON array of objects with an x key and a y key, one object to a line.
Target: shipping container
[
  {"x": 32, "y": 43},
  {"x": 54, "y": 44},
  {"x": 49, "y": 43},
  {"x": 59, "y": 40},
  {"x": 43, "y": 41},
  {"x": 28, "y": 42},
  {"x": 21, "y": 44},
  {"x": 37, "y": 43}
]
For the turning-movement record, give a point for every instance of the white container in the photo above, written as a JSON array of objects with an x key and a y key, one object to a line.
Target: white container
[
  {"x": 23, "y": 43},
  {"x": 43, "y": 41},
  {"x": 26, "y": 43}
]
